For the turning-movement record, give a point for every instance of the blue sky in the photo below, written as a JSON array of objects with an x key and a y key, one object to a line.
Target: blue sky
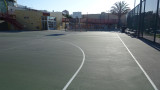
[{"x": 90, "y": 6}]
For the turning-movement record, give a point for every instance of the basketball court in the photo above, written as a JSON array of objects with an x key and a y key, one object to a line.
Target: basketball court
[{"x": 59, "y": 60}]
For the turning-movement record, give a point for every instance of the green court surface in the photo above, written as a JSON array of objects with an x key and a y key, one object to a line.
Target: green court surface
[{"x": 49, "y": 60}]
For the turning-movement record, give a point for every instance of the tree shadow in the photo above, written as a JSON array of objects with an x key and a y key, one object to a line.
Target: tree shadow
[{"x": 55, "y": 35}]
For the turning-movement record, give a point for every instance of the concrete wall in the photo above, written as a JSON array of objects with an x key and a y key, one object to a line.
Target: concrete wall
[
  {"x": 31, "y": 20},
  {"x": 100, "y": 16},
  {"x": 3, "y": 25},
  {"x": 12, "y": 9},
  {"x": 105, "y": 16}
]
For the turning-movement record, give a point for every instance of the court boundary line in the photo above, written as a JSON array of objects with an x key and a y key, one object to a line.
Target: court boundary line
[
  {"x": 147, "y": 76},
  {"x": 76, "y": 73}
]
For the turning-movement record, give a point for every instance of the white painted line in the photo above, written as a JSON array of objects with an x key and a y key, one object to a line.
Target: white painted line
[
  {"x": 150, "y": 80},
  {"x": 70, "y": 81}
]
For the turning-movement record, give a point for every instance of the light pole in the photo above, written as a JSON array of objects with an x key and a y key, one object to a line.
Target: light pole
[
  {"x": 108, "y": 17},
  {"x": 140, "y": 17},
  {"x": 87, "y": 20},
  {"x": 65, "y": 25}
]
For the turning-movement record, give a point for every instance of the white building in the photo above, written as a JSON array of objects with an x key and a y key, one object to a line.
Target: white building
[
  {"x": 49, "y": 23},
  {"x": 59, "y": 17},
  {"x": 77, "y": 15}
]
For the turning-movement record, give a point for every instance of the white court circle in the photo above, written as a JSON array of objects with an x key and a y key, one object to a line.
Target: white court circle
[{"x": 76, "y": 73}]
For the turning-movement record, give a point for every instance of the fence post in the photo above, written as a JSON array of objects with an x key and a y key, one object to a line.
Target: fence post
[
  {"x": 139, "y": 28},
  {"x": 143, "y": 18},
  {"x": 156, "y": 23}
]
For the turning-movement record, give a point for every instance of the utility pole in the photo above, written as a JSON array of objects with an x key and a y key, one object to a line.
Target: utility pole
[
  {"x": 75, "y": 23},
  {"x": 140, "y": 16},
  {"x": 100, "y": 27},
  {"x": 65, "y": 24},
  {"x": 155, "y": 32},
  {"x": 108, "y": 18},
  {"x": 87, "y": 20}
]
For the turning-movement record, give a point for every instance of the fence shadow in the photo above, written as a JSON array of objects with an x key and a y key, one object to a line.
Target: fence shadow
[
  {"x": 154, "y": 45},
  {"x": 151, "y": 43}
]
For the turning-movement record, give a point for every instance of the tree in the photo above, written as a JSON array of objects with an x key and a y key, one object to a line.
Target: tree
[
  {"x": 68, "y": 16},
  {"x": 12, "y": 0},
  {"x": 119, "y": 9}
]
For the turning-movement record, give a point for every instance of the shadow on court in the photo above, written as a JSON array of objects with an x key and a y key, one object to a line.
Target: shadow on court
[
  {"x": 150, "y": 43},
  {"x": 55, "y": 35}
]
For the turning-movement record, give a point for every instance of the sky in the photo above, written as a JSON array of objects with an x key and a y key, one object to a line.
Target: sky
[{"x": 84, "y": 6}]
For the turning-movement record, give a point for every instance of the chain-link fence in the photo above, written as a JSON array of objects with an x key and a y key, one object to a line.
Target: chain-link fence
[
  {"x": 85, "y": 24},
  {"x": 144, "y": 19}
]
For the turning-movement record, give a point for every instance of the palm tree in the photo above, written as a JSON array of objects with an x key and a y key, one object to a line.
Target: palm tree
[
  {"x": 12, "y": 0},
  {"x": 119, "y": 9}
]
